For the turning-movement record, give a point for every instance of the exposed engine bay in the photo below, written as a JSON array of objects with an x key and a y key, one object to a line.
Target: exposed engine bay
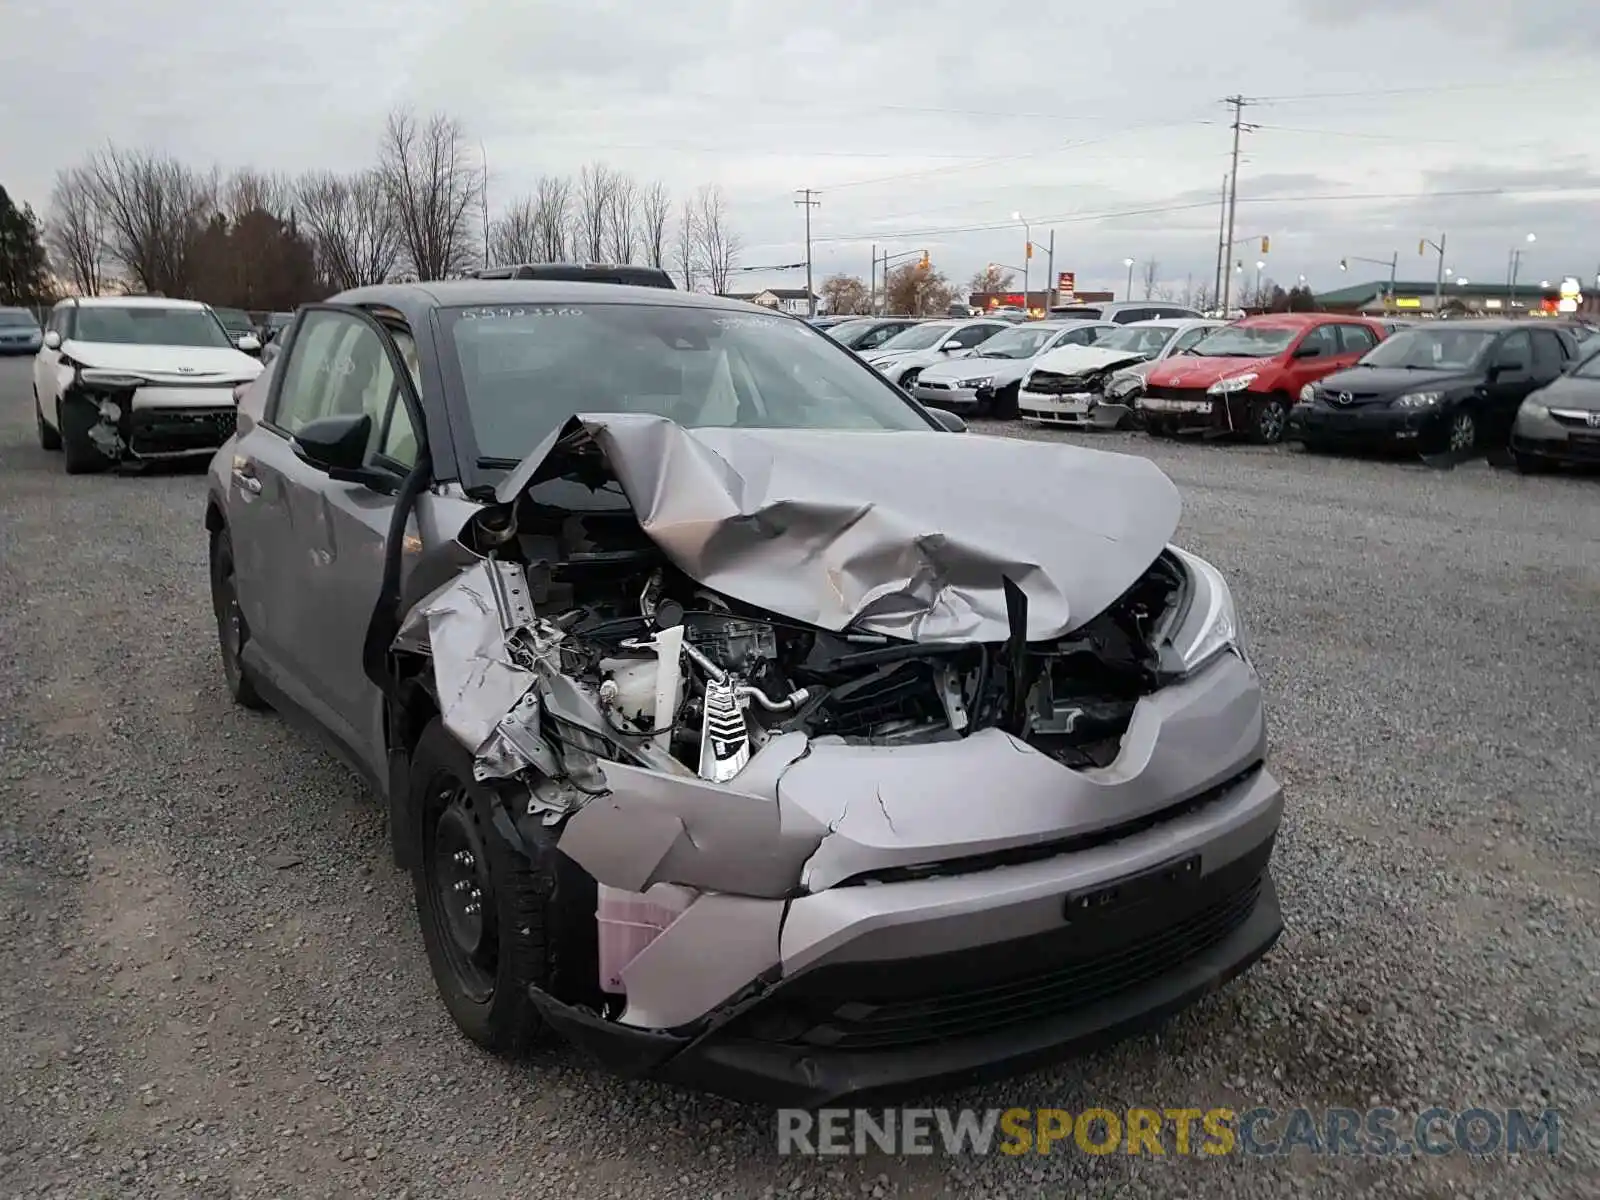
[{"x": 614, "y": 654}]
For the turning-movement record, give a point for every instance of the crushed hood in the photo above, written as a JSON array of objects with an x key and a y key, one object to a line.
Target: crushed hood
[
  {"x": 1076, "y": 360},
  {"x": 910, "y": 535}
]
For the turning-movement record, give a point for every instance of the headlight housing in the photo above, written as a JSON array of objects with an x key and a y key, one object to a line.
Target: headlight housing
[
  {"x": 1534, "y": 409},
  {"x": 1308, "y": 393},
  {"x": 1419, "y": 400},
  {"x": 980, "y": 381},
  {"x": 1212, "y": 626},
  {"x": 1234, "y": 383}
]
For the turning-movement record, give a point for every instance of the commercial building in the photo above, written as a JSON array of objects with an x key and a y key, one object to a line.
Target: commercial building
[{"x": 1456, "y": 298}]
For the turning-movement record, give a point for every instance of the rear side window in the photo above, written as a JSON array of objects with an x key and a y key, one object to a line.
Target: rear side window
[
  {"x": 1548, "y": 358},
  {"x": 1356, "y": 339}
]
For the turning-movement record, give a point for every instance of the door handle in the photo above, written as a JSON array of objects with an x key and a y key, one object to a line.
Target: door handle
[{"x": 245, "y": 477}]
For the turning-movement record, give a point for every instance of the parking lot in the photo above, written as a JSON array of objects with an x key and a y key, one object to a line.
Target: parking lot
[{"x": 215, "y": 985}]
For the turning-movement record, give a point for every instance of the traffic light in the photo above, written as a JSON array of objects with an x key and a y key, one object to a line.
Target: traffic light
[
  {"x": 1028, "y": 249},
  {"x": 1422, "y": 246},
  {"x": 1266, "y": 243}
]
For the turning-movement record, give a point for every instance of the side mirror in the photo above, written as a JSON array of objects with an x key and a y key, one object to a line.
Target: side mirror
[
  {"x": 1510, "y": 366},
  {"x": 337, "y": 446},
  {"x": 1308, "y": 351},
  {"x": 52, "y": 340},
  {"x": 951, "y": 422},
  {"x": 248, "y": 342}
]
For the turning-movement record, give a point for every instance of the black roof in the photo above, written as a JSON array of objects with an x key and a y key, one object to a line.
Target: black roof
[{"x": 467, "y": 293}]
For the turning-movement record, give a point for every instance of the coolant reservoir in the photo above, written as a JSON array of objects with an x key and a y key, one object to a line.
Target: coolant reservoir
[
  {"x": 635, "y": 695},
  {"x": 629, "y": 921}
]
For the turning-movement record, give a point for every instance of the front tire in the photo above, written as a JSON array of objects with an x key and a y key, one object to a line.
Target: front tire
[
  {"x": 1269, "y": 417},
  {"x": 492, "y": 916},
  {"x": 232, "y": 630},
  {"x": 49, "y": 438},
  {"x": 1461, "y": 435},
  {"x": 82, "y": 456}
]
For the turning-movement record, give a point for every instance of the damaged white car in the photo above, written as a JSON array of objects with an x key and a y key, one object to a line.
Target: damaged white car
[{"x": 736, "y": 720}]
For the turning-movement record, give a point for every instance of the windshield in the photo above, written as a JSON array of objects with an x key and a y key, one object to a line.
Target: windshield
[
  {"x": 234, "y": 319},
  {"x": 149, "y": 325},
  {"x": 526, "y": 369},
  {"x": 1022, "y": 342},
  {"x": 1136, "y": 340},
  {"x": 12, "y": 318},
  {"x": 1589, "y": 364},
  {"x": 848, "y": 333},
  {"x": 918, "y": 337},
  {"x": 1429, "y": 349},
  {"x": 1245, "y": 341}
]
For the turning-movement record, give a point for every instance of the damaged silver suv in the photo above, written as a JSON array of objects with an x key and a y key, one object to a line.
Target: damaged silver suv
[{"x": 735, "y": 720}]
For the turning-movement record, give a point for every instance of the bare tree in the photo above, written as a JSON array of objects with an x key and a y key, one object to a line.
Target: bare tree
[
  {"x": 1147, "y": 276},
  {"x": 352, "y": 226},
  {"x": 719, "y": 245},
  {"x": 622, "y": 220},
  {"x": 597, "y": 184},
  {"x": 76, "y": 230},
  {"x": 843, "y": 294},
  {"x": 655, "y": 206},
  {"x": 686, "y": 246},
  {"x": 514, "y": 235},
  {"x": 993, "y": 278},
  {"x": 917, "y": 291},
  {"x": 435, "y": 183},
  {"x": 248, "y": 191},
  {"x": 553, "y": 217},
  {"x": 154, "y": 208}
]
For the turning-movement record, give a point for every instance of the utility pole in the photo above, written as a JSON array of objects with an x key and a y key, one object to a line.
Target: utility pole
[
  {"x": 808, "y": 204},
  {"x": 484, "y": 195},
  {"x": 872, "y": 283},
  {"x": 1050, "y": 277},
  {"x": 1222, "y": 249},
  {"x": 1239, "y": 126}
]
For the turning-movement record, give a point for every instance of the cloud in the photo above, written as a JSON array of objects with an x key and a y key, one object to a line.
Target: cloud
[{"x": 924, "y": 125}]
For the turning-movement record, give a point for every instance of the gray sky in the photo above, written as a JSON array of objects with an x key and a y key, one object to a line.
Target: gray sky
[{"x": 914, "y": 120}]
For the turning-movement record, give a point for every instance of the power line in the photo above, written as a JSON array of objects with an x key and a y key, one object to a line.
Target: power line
[
  {"x": 1158, "y": 208},
  {"x": 1426, "y": 90}
]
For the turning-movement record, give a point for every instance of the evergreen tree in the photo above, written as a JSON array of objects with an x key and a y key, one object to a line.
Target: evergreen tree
[{"x": 24, "y": 265}]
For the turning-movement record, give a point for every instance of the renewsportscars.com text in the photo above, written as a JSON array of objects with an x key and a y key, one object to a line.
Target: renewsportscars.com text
[{"x": 1180, "y": 1132}]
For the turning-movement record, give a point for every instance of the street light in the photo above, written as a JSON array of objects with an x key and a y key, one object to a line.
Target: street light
[
  {"x": 1392, "y": 262},
  {"x": 1438, "y": 279},
  {"x": 1027, "y": 257},
  {"x": 1128, "y": 262},
  {"x": 1261, "y": 265}
]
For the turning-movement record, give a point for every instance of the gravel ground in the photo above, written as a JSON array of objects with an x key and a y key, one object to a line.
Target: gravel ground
[{"x": 214, "y": 985}]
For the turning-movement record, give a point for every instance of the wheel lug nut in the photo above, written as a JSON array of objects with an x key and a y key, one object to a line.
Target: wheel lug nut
[
  {"x": 476, "y": 895},
  {"x": 461, "y": 886},
  {"x": 463, "y": 857},
  {"x": 472, "y": 908}
]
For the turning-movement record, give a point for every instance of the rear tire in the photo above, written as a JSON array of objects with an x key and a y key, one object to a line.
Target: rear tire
[
  {"x": 82, "y": 456},
  {"x": 492, "y": 916},
  {"x": 49, "y": 438},
  {"x": 232, "y": 631}
]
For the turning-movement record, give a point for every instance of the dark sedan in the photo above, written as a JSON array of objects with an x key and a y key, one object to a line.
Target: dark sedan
[
  {"x": 1453, "y": 387},
  {"x": 868, "y": 333}
]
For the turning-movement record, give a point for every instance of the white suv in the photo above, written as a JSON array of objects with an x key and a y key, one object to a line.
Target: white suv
[{"x": 136, "y": 377}]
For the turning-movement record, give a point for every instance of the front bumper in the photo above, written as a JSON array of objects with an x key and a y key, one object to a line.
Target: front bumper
[
  {"x": 941, "y": 395},
  {"x": 158, "y": 421},
  {"x": 1368, "y": 424},
  {"x": 1078, "y": 409},
  {"x": 1559, "y": 435},
  {"x": 934, "y": 939},
  {"x": 868, "y": 1021}
]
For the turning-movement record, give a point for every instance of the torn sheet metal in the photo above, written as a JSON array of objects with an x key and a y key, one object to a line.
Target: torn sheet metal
[
  {"x": 904, "y": 534},
  {"x": 488, "y": 649}
]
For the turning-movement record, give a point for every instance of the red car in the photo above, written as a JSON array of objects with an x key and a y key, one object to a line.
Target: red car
[{"x": 1245, "y": 377}]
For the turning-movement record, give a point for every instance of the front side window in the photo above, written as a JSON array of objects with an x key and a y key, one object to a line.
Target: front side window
[
  {"x": 527, "y": 369},
  {"x": 974, "y": 335},
  {"x": 150, "y": 325},
  {"x": 338, "y": 367},
  {"x": 1321, "y": 342},
  {"x": 877, "y": 337}
]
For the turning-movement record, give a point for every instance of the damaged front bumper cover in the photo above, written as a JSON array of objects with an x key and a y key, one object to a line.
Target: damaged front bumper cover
[{"x": 146, "y": 417}]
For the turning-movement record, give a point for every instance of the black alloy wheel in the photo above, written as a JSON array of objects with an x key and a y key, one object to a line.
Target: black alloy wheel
[{"x": 232, "y": 629}]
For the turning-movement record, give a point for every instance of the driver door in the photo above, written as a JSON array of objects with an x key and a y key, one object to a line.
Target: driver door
[{"x": 317, "y": 544}]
